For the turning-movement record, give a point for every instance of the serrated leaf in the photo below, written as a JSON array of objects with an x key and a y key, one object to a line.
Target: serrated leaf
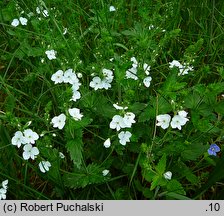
[
  {"x": 177, "y": 196},
  {"x": 92, "y": 174},
  {"x": 147, "y": 114},
  {"x": 155, "y": 182},
  {"x": 75, "y": 147},
  {"x": 176, "y": 187},
  {"x": 161, "y": 166}
]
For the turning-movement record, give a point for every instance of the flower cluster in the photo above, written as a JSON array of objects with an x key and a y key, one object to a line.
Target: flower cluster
[
  {"x": 69, "y": 76},
  {"x": 44, "y": 12},
  {"x": 105, "y": 83},
  {"x": 21, "y": 20},
  {"x": 131, "y": 73},
  {"x": 118, "y": 122},
  {"x": 177, "y": 121},
  {"x": 3, "y": 190},
  {"x": 59, "y": 121},
  {"x": 27, "y": 138},
  {"x": 183, "y": 68},
  {"x": 51, "y": 54}
]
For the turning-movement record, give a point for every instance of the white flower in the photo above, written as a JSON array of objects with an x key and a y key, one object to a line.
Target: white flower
[
  {"x": 30, "y": 136},
  {"x": 105, "y": 172},
  {"x": 44, "y": 166},
  {"x": 146, "y": 68},
  {"x": 76, "y": 95},
  {"x": 129, "y": 119},
  {"x": 117, "y": 123},
  {"x": 58, "y": 77},
  {"x": 108, "y": 74},
  {"x": 163, "y": 120},
  {"x": 175, "y": 63},
  {"x": 151, "y": 27},
  {"x": 51, "y": 54},
  {"x": 184, "y": 69},
  {"x": 5, "y": 184},
  {"x": 178, "y": 121},
  {"x": 96, "y": 83},
  {"x": 182, "y": 113},
  {"x": 30, "y": 152},
  {"x": 79, "y": 75},
  {"x": 131, "y": 73},
  {"x": 65, "y": 30},
  {"x": 23, "y": 20},
  {"x": 124, "y": 137},
  {"x": 15, "y": 22},
  {"x": 18, "y": 139},
  {"x": 119, "y": 107},
  {"x": 70, "y": 77},
  {"x": 75, "y": 113},
  {"x": 45, "y": 13},
  {"x": 38, "y": 10},
  {"x": 112, "y": 8},
  {"x": 59, "y": 121},
  {"x": 147, "y": 81},
  {"x": 168, "y": 175},
  {"x": 61, "y": 155},
  {"x": 107, "y": 143},
  {"x": 2, "y": 194},
  {"x": 105, "y": 84},
  {"x": 135, "y": 62}
]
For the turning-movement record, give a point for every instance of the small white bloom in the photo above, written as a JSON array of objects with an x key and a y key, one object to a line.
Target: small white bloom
[
  {"x": 107, "y": 143},
  {"x": 129, "y": 119},
  {"x": 182, "y": 113},
  {"x": 108, "y": 74},
  {"x": 105, "y": 84},
  {"x": 117, "y": 123},
  {"x": 178, "y": 121},
  {"x": 79, "y": 75},
  {"x": 116, "y": 106},
  {"x": 65, "y": 30},
  {"x": 112, "y": 8},
  {"x": 30, "y": 152},
  {"x": 58, "y": 77},
  {"x": 61, "y": 155},
  {"x": 75, "y": 113},
  {"x": 146, "y": 68},
  {"x": 147, "y": 81},
  {"x": 15, "y": 22},
  {"x": 175, "y": 63},
  {"x": 44, "y": 166},
  {"x": 5, "y": 184},
  {"x": 135, "y": 62},
  {"x": 2, "y": 194},
  {"x": 96, "y": 83},
  {"x": 151, "y": 27},
  {"x": 124, "y": 137},
  {"x": 51, "y": 54},
  {"x": 18, "y": 139},
  {"x": 59, "y": 121},
  {"x": 76, "y": 95},
  {"x": 45, "y": 13},
  {"x": 105, "y": 172},
  {"x": 30, "y": 136},
  {"x": 131, "y": 73},
  {"x": 38, "y": 10},
  {"x": 168, "y": 175},
  {"x": 70, "y": 77},
  {"x": 23, "y": 20},
  {"x": 163, "y": 120}
]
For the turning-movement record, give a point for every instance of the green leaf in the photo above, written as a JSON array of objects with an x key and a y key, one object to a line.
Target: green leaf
[
  {"x": 161, "y": 166},
  {"x": 176, "y": 187},
  {"x": 92, "y": 174},
  {"x": 216, "y": 175},
  {"x": 219, "y": 107},
  {"x": 177, "y": 196},
  {"x": 155, "y": 182},
  {"x": 147, "y": 114}
]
